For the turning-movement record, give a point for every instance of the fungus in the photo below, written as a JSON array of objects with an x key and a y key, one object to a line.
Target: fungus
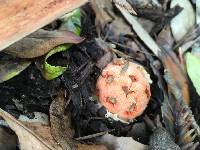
[{"x": 124, "y": 89}]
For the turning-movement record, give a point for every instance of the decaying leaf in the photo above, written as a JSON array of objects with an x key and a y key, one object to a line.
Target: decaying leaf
[
  {"x": 120, "y": 143},
  {"x": 61, "y": 122},
  {"x": 41, "y": 42},
  {"x": 193, "y": 69},
  {"x": 28, "y": 139},
  {"x": 171, "y": 63},
  {"x": 12, "y": 67},
  {"x": 44, "y": 132},
  {"x": 181, "y": 24}
]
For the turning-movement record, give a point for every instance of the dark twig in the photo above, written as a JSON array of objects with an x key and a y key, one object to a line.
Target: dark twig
[{"x": 93, "y": 135}]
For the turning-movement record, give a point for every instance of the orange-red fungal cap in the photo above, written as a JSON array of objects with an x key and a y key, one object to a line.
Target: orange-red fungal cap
[{"x": 123, "y": 89}]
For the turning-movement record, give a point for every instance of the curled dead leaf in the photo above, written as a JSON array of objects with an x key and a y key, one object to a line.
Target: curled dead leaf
[{"x": 41, "y": 42}]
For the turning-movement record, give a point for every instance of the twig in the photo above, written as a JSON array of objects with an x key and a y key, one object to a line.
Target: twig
[
  {"x": 93, "y": 135},
  {"x": 120, "y": 53},
  {"x": 124, "y": 46}
]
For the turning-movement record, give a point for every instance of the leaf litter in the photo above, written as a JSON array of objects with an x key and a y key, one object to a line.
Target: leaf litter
[{"x": 151, "y": 33}]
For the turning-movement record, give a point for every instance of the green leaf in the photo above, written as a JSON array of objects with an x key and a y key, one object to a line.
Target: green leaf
[
  {"x": 50, "y": 72},
  {"x": 193, "y": 69},
  {"x": 71, "y": 22}
]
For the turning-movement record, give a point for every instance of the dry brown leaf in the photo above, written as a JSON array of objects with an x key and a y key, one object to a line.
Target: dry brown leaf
[
  {"x": 91, "y": 147},
  {"x": 44, "y": 132},
  {"x": 41, "y": 42},
  {"x": 60, "y": 122},
  {"x": 28, "y": 140},
  {"x": 170, "y": 63}
]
